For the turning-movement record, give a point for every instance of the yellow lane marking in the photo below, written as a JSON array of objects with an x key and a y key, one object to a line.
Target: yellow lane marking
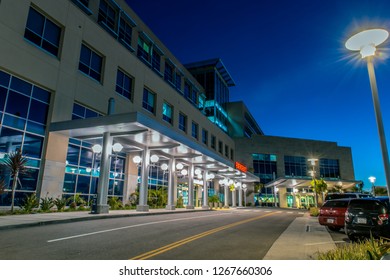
[{"x": 173, "y": 245}]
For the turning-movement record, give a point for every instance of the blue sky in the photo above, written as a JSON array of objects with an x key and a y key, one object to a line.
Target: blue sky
[{"x": 290, "y": 65}]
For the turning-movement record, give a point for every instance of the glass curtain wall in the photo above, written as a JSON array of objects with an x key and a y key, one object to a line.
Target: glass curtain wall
[{"x": 23, "y": 117}]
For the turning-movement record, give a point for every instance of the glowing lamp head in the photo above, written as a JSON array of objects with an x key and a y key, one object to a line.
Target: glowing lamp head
[
  {"x": 179, "y": 166},
  {"x": 137, "y": 159},
  {"x": 97, "y": 149},
  {"x": 164, "y": 166},
  {"x": 117, "y": 147},
  {"x": 184, "y": 172},
  {"x": 372, "y": 179},
  {"x": 367, "y": 41},
  {"x": 154, "y": 158}
]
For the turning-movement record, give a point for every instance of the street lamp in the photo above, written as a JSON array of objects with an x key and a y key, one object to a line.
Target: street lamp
[
  {"x": 313, "y": 175},
  {"x": 372, "y": 180},
  {"x": 366, "y": 42}
]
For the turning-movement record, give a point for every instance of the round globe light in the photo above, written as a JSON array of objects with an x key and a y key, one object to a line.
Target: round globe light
[
  {"x": 117, "y": 147},
  {"x": 137, "y": 159},
  {"x": 184, "y": 172},
  {"x": 198, "y": 171},
  {"x": 164, "y": 166},
  {"x": 154, "y": 158},
  {"x": 97, "y": 149},
  {"x": 179, "y": 166}
]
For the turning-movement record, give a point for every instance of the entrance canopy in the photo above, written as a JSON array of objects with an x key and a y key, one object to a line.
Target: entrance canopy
[
  {"x": 135, "y": 132},
  {"x": 300, "y": 183}
]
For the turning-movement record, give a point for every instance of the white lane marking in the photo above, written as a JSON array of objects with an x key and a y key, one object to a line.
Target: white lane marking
[
  {"x": 290, "y": 212},
  {"x": 267, "y": 211},
  {"x": 132, "y": 226}
]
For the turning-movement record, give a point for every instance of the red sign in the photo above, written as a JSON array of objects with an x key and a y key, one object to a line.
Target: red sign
[{"x": 241, "y": 167}]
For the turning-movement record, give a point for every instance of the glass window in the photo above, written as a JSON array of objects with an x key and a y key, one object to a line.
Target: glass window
[
  {"x": 213, "y": 142},
  {"x": 124, "y": 84},
  {"x": 41, "y": 94},
  {"x": 21, "y": 86},
  {"x": 143, "y": 50},
  {"x": 83, "y": 184},
  {"x": 220, "y": 147},
  {"x": 107, "y": 14},
  {"x": 28, "y": 182},
  {"x": 90, "y": 63},
  {"x": 4, "y": 79},
  {"x": 195, "y": 128},
  {"x": 32, "y": 145},
  {"x": 148, "y": 101},
  {"x": 264, "y": 166},
  {"x": 17, "y": 104},
  {"x": 295, "y": 166},
  {"x": 187, "y": 90},
  {"x": 205, "y": 136},
  {"x": 125, "y": 31},
  {"x": 39, "y": 111},
  {"x": 167, "y": 112},
  {"x": 10, "y": 139},
  {"x": 169, "y": 71},
  {"x": 329, "y": 168},
  {"x": 178, "y": 81},
  {"x": 73, "y": 155},
  {"x": 42, "y": 32},
  {"x": 182, "y": 122},
  {"x": 69, "y": 183},
  {"x": 3, "y": 97},
  {"x": 156, "y": 60},
  {"x": 226, "y": 151}
]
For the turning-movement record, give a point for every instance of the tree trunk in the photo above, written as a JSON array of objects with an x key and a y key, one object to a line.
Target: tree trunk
[{"x": 14, "y": 184}]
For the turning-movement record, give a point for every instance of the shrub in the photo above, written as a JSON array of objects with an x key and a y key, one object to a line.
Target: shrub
[
  {"x": 46, "y": 204},
  {"x": 366, "y": 250},
  {"x": 60, "y": 203},
  {"x": 114, "y": 203},
  {"x": 314, "y": 211},
  {"x": 30, "y": 202}
]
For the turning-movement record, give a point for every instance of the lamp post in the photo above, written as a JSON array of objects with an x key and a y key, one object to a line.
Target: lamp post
[
  {"x": 366, "y": 42},
  {"x": 313, "y": 175},
  {"x": 372, "y": 180}
]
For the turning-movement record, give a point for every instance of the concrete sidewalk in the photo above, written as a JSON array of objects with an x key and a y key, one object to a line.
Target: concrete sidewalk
[{"x": 302, "y": 240}]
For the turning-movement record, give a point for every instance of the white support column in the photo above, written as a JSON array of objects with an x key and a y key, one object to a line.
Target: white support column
[
  {"x": 191, "y": 174},
  {"x": 240, "y": 196},
  {"x": 205, "y": 192},
  {"x": 104, "y": 176},
  {"x": 171, "y": 184},
  {"x": 234, "y": 200},
  {"x": 226, "y": 196},
  {"x": 143, "y": 192}
]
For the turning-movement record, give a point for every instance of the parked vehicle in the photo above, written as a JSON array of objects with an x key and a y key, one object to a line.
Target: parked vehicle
[
  {"x": 367, "y": 217},
  {"x": 332, "y": 213},
  {"x": 331, "y": 196}
]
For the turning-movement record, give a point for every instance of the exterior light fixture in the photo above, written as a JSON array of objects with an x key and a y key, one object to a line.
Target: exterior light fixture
[
  {"x": 164, "y": 167},
  {"x": 154, "y": 158},
  {"x": 117, "y": 147},
  {"x": 179, "y": 166},
  {"x": 137, "y": 159},
  {"x": 372, "y": 180},
  {"x": 88, "y": 169},
  {"x": 366, "y": 42},
  {"x": 198, "y": 171},
  {"x": 97, "y": 149},
  {"x": 184, "y": 172}
]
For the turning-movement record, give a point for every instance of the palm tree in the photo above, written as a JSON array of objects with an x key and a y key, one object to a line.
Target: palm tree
[{"x": 15, "y": 164}]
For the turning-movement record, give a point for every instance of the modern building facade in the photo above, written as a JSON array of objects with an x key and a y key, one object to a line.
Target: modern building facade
[
  {"x": 287, "y": 166},
  {"x": 80, "y": 77},
  {"x": 102, "y": 108}
]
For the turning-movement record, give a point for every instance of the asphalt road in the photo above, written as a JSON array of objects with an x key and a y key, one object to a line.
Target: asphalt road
[{"x": 220, "y": 235}]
